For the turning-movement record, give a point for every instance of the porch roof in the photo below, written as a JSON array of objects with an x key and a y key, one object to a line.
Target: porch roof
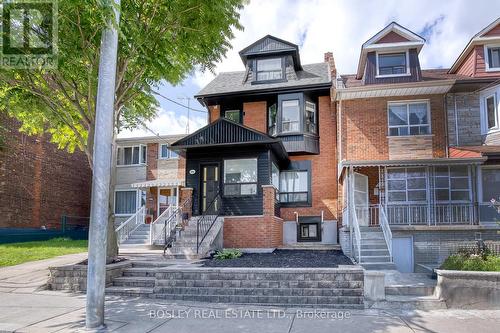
[{"x": 158, "y": 183}]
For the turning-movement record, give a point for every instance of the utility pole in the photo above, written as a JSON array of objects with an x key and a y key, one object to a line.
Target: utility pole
[
  {"x": 188, "y": 99},
  {"x": 103, "y": 140}
]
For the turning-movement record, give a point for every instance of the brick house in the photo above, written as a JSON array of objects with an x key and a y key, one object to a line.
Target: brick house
[
  {"x": 36, "y": 189},
  {"x": 404, "y": 178}
]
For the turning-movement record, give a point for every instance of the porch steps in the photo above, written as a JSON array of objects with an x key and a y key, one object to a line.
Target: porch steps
[
  {"x": 410, "y": 302},
  {"x": 330, "y": 288},
  {"x": 138, "y": 237},
  {"x": 310, "y": 246},
  {"x": 374, "y": 251},
  {"x": 185, "y": 245}
]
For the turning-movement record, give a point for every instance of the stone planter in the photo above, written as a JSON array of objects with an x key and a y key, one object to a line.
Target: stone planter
[
  {"x": 74, "y": 277},
  {"x": 469, "y": 289}
]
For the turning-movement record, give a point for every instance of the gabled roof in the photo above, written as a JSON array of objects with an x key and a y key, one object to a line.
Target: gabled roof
[
  {"x": 271, "y": 45},
  {"x": 393, "y": 36},
  {"x": 224, "y": 132},
  {"x": 481, "y": 37}
]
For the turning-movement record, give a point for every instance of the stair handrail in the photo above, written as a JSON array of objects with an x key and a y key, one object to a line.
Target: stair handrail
[
  {"x": 153, "y": 226},
  {"x": 206, "y": 221},
  {"x": 170, "y": 224},
  {"x": 124, "y": 230},
  {"x": 386, "y": 229},
  {"x": 357, "y": 232}
]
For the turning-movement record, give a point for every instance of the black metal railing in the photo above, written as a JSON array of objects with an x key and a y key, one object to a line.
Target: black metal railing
[
  {"x": 207, "y": 219},
  {"x": 177, "y": 217}
]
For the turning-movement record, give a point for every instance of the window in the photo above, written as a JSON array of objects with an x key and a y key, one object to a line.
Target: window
[
  {"x": 310, "y": 117},
  {"x": 491, "y": 112},
  {"x": 126, "y": 201},
  {"x": 233, "y": 115},
  {"x": 240, "y": 177},
  {"x": 133, "y": 155},
  {"x": 290, "y": 116},
  {"x": 492, "y": 57},
  {"x": 294, "y": 186},
  {"x": 409, "y": 118},
  {"x": 392, "y": 64},
  {"x": 406, "y": 185},
  {"x": 166, "y": 153},
  {"x": 271, "y": 122},
  {"x": 269, "y": 69},
  {"x": 275, "y": 176},
  {"x": 490, "y": 184},
  {"x": 452, "y": 183}
]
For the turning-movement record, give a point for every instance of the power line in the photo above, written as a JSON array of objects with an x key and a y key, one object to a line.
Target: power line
[{"x": 180, "y": 104}]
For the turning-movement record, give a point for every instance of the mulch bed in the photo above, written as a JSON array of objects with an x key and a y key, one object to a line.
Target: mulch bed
[{"x": 285, "y": 258}]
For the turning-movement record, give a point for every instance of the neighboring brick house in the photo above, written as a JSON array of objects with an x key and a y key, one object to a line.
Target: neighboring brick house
[
  {"x": 40, "y": 183},
  {"x": 271, "y": 127},
  {"x": 147, "y": 174},
  {"x": 396, "y": 169}
]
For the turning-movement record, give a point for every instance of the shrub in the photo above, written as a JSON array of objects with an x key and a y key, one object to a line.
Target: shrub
[
  {"x": 472, "y": 262},
  {"x": 228, "y": 254}
]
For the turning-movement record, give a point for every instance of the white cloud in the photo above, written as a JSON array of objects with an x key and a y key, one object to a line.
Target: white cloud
[
  {"x": 168, "y": 122},
  {"x": 342, "y": 26}
]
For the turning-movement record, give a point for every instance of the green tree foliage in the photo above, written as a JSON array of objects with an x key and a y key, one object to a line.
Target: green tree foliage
[{"x": 160, "y": 40}]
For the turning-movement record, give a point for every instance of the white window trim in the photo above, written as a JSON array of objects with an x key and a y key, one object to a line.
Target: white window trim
[
  {"x": 450, "y": 190},
  {"x": 137, "y": 200},
  {"x": 426, "y": 177},
  {"x": 408, "y": 72},
  {"x": 169, "y": 157},
  {"x": 408, "y": 102},
  {"x": 484, "y": 112},
  {"x": 133, "y": 165},
  {"x": 487, "y": 60}
]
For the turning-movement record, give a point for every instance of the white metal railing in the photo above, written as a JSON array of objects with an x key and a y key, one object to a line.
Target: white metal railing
[
  {"x": 357, "y": 234},
  {"x": 157, "y": 227},
  {"x": 133, "y": 222},
  {"x": 430, "y": 214},
  {"x": 386, "y": 229}
]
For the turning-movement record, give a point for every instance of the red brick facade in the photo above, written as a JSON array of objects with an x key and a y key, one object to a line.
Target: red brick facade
[
  {"x": 255, "y": 115},
  {"x": 39, "y": 182}
]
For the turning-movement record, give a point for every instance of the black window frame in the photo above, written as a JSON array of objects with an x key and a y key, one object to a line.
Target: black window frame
[
  {"x": 224, "y": 183},
  {"x": 255, "y": 70},
  {"x": 234, "y": 110},
  {"x": 298, "y": 166},
  {"x": 290, "y": 97}
]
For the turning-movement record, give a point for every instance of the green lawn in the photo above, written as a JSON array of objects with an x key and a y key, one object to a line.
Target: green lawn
[{"x": 17, "y": 253}]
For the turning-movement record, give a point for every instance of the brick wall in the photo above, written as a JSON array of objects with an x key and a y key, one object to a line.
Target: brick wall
[
  {"x": 213, "y": 113},
  {"x": 152, "y": 161},
  {"x": 255, "y": 115},
  {"x": 324, "y": 168},
  {"x": 364, "y": 127},
  {"x": 38, "y": 182},
  {"x": 465, "y": 108}
]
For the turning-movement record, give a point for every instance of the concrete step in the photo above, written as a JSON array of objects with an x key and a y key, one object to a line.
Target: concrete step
[
  {"x": 347, "y": 292},
  {"x": 372, "y": 235},
  {"x": 140, "y": 271},
  {"x": 377, "y": 246},
  {"x": 310, "y": 246},
  {"x": 134, "y": 281},
  {"x": 136, "y": 241},
  {"x": 375, "y": 259},
  {"x": 368, "y": 229},
  {"x": 129, "y": 291},
  {"x": 374, "y": 252},
  {"x": 258, "y": 284},
  {"x": 410, "y": 303},
  {"x": 372, "y": 241},
  {"x": 334, "y": 302},
  {"x": 150, "y": 263},
  {"x": 409, "y": 290},
  {"x": 379, "y": 265}
]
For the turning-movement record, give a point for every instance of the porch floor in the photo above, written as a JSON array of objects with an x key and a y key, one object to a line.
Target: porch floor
[{"x": 285, "y": 258}]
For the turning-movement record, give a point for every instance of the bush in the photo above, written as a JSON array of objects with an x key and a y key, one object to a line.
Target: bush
[
  {"x": 228, "y": 254},
  {"x": 472, "y": 262}
]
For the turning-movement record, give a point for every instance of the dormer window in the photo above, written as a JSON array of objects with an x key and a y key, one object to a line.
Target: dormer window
[
  {"x": 492, "y": 53},
  {"x": 269, "y": 69},
  {"x": 392, "y": 64}
]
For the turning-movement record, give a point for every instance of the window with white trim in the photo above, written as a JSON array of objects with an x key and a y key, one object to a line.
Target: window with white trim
[
  {"x": 240, "y": 177},
  {"x": 406, "y": 185},
  {"x": 166, "y": 153},
  {"x": 452, "y": 183},
  {"x": 392, "y": 64},
  {"x": 409, "y": 118},
  {"x": 127, "y": 202},
  {"x": 492, "y": 54},
  {"x": 491, "y": 112},
  {"x": 294, "y": 186},
  {"x": 132, "y": 155}
]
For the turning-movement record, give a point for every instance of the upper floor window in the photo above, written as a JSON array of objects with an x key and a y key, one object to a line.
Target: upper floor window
[
  {"x": 392, "y": 64},
  {"x": 269, "y": 69},
  {"x": 166, "y": 153},
  {"x": 240, "y": 177},
  {"x": 310, "y": 117},
  {"x": 290, "y": 116},
  {"x": 490, "y": 114},
  {"x": 272, "y": 115},
  {"x": 409, "y": 118},
  {"x": 133, "y": 155},
  {"x": 492, "y": 57},
  {"x": 233, "y": 115}
]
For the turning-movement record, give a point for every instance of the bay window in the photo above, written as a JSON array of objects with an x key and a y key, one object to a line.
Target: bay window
[
  {"x": 290, "y": 116},
  {"x": 240, "y": 177},
  {"x": 452, "y": 183},
  {"x": 294, "y": 186},
  {"x": 406, "y": 185},
  {"x": 310, "y": 117},
  {"x": 269, "y": 69},
  {"x": 392, "y": 64},
  {"x": 133, "y": 155},
  {"x": 408, "y": 118}
]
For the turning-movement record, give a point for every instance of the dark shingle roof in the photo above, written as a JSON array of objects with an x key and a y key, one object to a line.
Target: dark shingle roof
[{"x": 233, "y": 82}]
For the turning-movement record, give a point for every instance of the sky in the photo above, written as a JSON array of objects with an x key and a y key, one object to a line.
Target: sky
[{"x": 339, "y": 26}]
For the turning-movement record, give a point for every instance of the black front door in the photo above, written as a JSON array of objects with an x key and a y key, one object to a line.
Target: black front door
[{"x": 209, "y": 188}]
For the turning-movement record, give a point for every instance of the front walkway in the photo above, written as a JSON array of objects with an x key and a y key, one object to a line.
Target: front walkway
[{"x": 26, "y": 307}]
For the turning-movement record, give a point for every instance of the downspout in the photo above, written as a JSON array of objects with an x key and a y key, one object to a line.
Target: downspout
[{"x": 456, "y": 118}]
